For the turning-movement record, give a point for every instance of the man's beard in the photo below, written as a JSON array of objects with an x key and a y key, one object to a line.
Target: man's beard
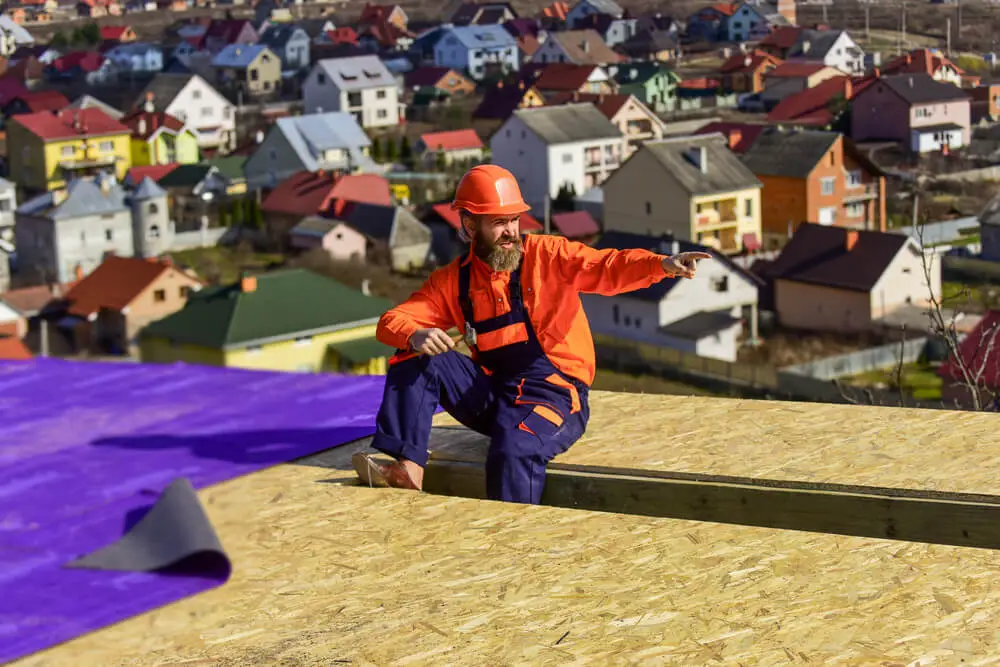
[{"x": 497, "y": 257}]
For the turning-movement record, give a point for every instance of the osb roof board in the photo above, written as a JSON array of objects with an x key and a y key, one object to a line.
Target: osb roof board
[
  {"x": 935, "y": 450},
  {"x": 327, "y": 572}
]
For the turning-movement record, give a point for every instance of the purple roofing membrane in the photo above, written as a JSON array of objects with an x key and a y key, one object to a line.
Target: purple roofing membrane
[{"x": 86, "y": 447}]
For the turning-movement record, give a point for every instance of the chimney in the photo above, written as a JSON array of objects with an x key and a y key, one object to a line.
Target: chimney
[
  {"x": 79, "y": 273},
  {"x": 848, "y": 89},
  {"x": 852, "y": 240},
  {"x": 911, "y": 82},
  {"x": 142, "y": 126},
  {"x": 260, "y": 136},
  {"x": 149, "y": 106},
  {"x": 366, "y": 287},
  {"x": 735, "y": 137},
  {"x": 499, "y": 84},
  {"x": 248, "y": 284},
  {"x": 909, "y": 59},
  {"x": 877, "y": 72},
  {"x": 520, "y": 85},
  {"x": 675, "y": 248}
]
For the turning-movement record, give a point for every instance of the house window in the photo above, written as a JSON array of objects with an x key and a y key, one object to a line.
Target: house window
[
  {"x": 106, "y": 146},
  {"x": 833, "y": 159},
  {"x": 83, "y": 238},
  {"x": 906, "y": 269},
  {"x": 638, "y": 323},
  {"x": 826, "y": 185},
  {"x": 153, "y": 209},
  {"x": 855, "y": 210},
  {"x": 353, "y": 99},
  {"x": 748, "y": 208},
  {"x": 381, "y": 113},
  {"x": 854, "y": 178},
  {"x": 254, "y": 75},
  {"x": 615, "y": 313},
  {"x": 567, "y": 157},
  {"x": 160, "y": 295},
  {"x": 109, "y": 235},
  {"x": 253, "y": 349},
  {"x": 184, "y": 291},
  {"x": 321, "y": 79},
  {"x": 380, "y": 95},
  {"x": 227, "y": 113},
  {"x": 207, "y": 112},
  {"x": 721, "y": 284},
  {"x": 154, "y": 232},
  {"x": 303, "y": 340},
  {"x": 196, "y": 94},
  {"x": 68, "y": 151},
  {"x": 628, "y": 321},
  {"x": 649, "y": 208},
  {"x": 4, "y": 205}
]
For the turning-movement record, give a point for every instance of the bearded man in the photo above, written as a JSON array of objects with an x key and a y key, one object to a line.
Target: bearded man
[{"x": 516, "y": 301}]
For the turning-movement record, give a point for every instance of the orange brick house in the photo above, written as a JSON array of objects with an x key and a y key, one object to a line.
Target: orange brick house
[
  {"x": 814, "y": 176},
  {"x": 745, "y": 72}
]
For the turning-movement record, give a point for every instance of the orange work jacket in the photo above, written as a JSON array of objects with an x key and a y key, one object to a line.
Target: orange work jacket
[{"x": 554, "y": 273}]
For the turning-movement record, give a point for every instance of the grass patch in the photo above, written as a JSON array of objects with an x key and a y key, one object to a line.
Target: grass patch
[
  {"x": 918, "y": 380},
  {"x": 957, "y": 294},
  {"x": 607, "y": 380},
  {"x": 225, "y": 264}
]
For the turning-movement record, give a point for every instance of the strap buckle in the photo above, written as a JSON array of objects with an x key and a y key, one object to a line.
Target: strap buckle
[{"x": 470, "y": 335}]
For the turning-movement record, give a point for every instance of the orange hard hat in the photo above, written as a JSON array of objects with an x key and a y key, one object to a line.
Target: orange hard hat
[{"x": 488, "y": 189}]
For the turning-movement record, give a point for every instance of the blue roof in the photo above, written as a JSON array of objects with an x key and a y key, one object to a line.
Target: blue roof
[
  {"x": 148, "y": 189},
  {"x": 83, "y": 197},
  {"x": 238, "y": 55},
  {"x": 483, "y": 36},
  {"x": 312, "y": 134}
]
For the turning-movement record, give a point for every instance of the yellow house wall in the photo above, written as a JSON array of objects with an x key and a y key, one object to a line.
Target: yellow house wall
[
  {"x": 160, "y": 351},
  {"x": 121, "y": 148},
  {"x": 311, "y": 356},
  {"x": 745, "y": 225}
]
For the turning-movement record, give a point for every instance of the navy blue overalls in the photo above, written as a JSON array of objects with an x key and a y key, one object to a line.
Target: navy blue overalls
[{"x": 512, "y": 393}]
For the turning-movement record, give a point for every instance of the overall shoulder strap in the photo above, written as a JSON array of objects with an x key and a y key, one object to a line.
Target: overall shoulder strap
[{"x": 464, "y": 279}]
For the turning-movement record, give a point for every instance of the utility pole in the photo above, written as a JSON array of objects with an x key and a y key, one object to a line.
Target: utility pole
[
  {"x": 44, "y": 338},
  {"x": 902, "y": 27},
  {"x": 825, "y": 4},
  {"x": 548, "y": 213},
  {"x": 868, "y": 20},
  {"x": 947, "y": 32}
]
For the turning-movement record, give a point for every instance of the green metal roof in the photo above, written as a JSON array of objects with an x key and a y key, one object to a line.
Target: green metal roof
[
  {"x": 361, "y": 350},
  {"x": 285, "y": 304},
  {"x": 230, "y": 166}
]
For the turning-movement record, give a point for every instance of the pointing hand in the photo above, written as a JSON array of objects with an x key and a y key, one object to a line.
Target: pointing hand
[{"x": 684, "y": 264}]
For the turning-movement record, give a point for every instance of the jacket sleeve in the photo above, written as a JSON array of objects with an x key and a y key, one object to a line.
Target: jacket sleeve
[
  {"x": 609, "y": 271},
  {"x": 426, "y": 308}
]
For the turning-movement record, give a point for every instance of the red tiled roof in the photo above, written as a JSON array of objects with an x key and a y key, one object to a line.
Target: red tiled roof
[
  {"x": 741, "y": 135},
  {"x": 979, "y": 351},
  {"x": 28, "y": 301},
  {"x": 70, "y": 123},
  {"x": 307, "y": 193},
  {"x": 228, "y": 30},
  {"x": 725, "y": 8},
  {"x": 922, "y": 61},
  {"x": 782, "y": 37},
  {"x": 14, "y": 349},
  {"x": 450, "y": 216},
  {"x": 113, "y": 32},
  {"x": 564, "y": 76},
  {"x": 11, "y": 87},
  {"x": 113, "y": 285},
  {"x": 699, "y": 84},
  {"x": 153, "y": 171},
  {"x": 455, "y": 140},
  {"x": 375, "y": 13},
  {"x": 528, "y": 44},
  {"x": 609, "y": 105},
  {"x": 812, "y": 106},
  {"x": 45, "y": 100},
  {"x": 575, "y": 224},
  {"x": 557, "y": 10},
  {"x": 153, "y": 122},
  {"x": 386, "y": 33},
  {"x": 795, "y": 70},
  {"x": 87, "y": 61},
  {"x": 345, "y": 35},
  {"x": 748, "y": 62}
]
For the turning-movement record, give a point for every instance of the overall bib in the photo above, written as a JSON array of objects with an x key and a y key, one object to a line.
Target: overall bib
[{"x": 511, "y": 392}]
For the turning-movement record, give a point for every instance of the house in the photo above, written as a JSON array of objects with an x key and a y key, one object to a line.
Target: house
[
  {"x": 740, "y": 135},
  {"x": 291, "y": 43},
  {"x": 106, "y": 310},
  {"x": 649, "y": 82},
  {"x": 579, "y": 47},
  {"x": 635, "y": 120},
  {"x": 500, "y": 100},
  {"x": 984, "y": 102},
  {"x": 394, "y": 236},
  {"x": 287, "y": 320},
  {"x": 814, "y": 176},
  {"x": 337, "y": 239},
  {"x": 14, "y": 349},
  {"x": 445, "y": 222},
  {"x": 550, "y": 149},
  {"x": 922, "y": 114},
  {"x": 692, "y": 188},
  {"x": 974, "y": 368},
  {"x": 926, "y": 61},
  {"x": 89, "y": 66},
  {"x": 12, "y": 323},
  {"x": 746, "y": 23},
  {"x": 833, "y": 48},
  {"x": 159, "y": 138},
  {"x": 251, "y": 69},
  {"x": 361, "y": 86},
  {"x": 202, "y": 196},
  {"x": 47, "y": 149},
  {"x": 821, "y": 106},
  {"x": 443, "y": 79},
  {"x": 320, "y": 193},
  {"x": 89, "y": 102},
  {"x": 710, "y": 24},
  {"x": 562, "y": 78},
  {"x": 35, "y": 101},
  {"x": 586, "y": 8},
  {"x": 225, "y": 32},
  {"x": 483, "y": 13},
  {"x": 193, "y": 100},
  {"x": 136, "y": 58},
  {"x": 577, "y": 225},
  {"x": 989, "y": 231},
  {"x": 707, "y": 315},
  {"x": 385, "y": 37},
  {"x": 781, "y": 41},
  {"x": 8, "y": 204},
  {"x": 745, "y": 72},
  {"x": 614, "y": 30},
  {"x": 843, "y": 280},
  {"x": 435, "y": 149},
  {"x": 394, "y": 14},
  {"x": 790, "y": 78},
  {"x": 652, "y": 45},
  {"x": 66, "y": 231},
  {"x": 481, "y": 51},
  {"x": 118, "y": 33}
]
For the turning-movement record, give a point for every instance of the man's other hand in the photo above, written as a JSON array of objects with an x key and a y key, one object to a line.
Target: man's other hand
[
  {"x": 431, "y": 341},
  {"x": 684, "y": 264}
]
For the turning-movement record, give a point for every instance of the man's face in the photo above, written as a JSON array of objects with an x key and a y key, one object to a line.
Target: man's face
[{"x": 497, "y": 240}]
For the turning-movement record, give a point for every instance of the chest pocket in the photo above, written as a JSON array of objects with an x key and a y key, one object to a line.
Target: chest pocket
[{"x": 495, "y": 325}]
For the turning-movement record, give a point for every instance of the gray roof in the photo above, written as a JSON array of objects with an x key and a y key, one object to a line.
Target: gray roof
[
  {"x": 922, "y": 89},
  {"x": 357, "y": 72},
  {"x": 724, "y": 171},
  {"x": 483, "y": 36},
  {"x": 83, "y": 197},
  {"x": 278, "y": 36},
  {"x": 814, "y": 44},
  {"x": 91, "y": 102},
  {"x": 135, "y": 48},
  {"x": 312, "y": 134},
  {"x": 568, "y": 123},
  {"x": 148, "y": 189},
  {"x": 240, "y": 56},
  {"x": 165, "y": 87},
  {"x": 21, "y": 36},
  {"x": 792, "y": 153},
  {"x": 316, "y": 226},
  {"x": 700, "y": 325},
  {"x": 393, "y": 224}
]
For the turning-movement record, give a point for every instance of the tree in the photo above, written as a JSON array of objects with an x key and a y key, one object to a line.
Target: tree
[
  {"x": 376, "y": 149},
  {"x": 239, "y": 216},
  {"x": 440, "y": 161},
  {"x": 226, "y": 218},
  {"x": 59, "y": 40},
  {"x": 566, "y": 197},
  {"x": 390, "y": 149},
  {"x": 90, "y": 34},
  {"x": 405, "y": 151}
]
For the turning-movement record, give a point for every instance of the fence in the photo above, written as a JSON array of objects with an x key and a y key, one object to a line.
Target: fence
[
  {"x": 862, "y": 361},
  {"x": 982, "y": 269},
  {"x": 749, "y": 380},
  {"x": 199, "y": 238}
]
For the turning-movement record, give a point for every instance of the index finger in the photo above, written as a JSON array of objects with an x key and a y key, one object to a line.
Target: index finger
[{"x": 700, "y": 255}]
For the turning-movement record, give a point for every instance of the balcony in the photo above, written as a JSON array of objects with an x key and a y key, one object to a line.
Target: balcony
[
  {"x": 862, "y": 192},
  {"x": 714, "y": 214}
]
